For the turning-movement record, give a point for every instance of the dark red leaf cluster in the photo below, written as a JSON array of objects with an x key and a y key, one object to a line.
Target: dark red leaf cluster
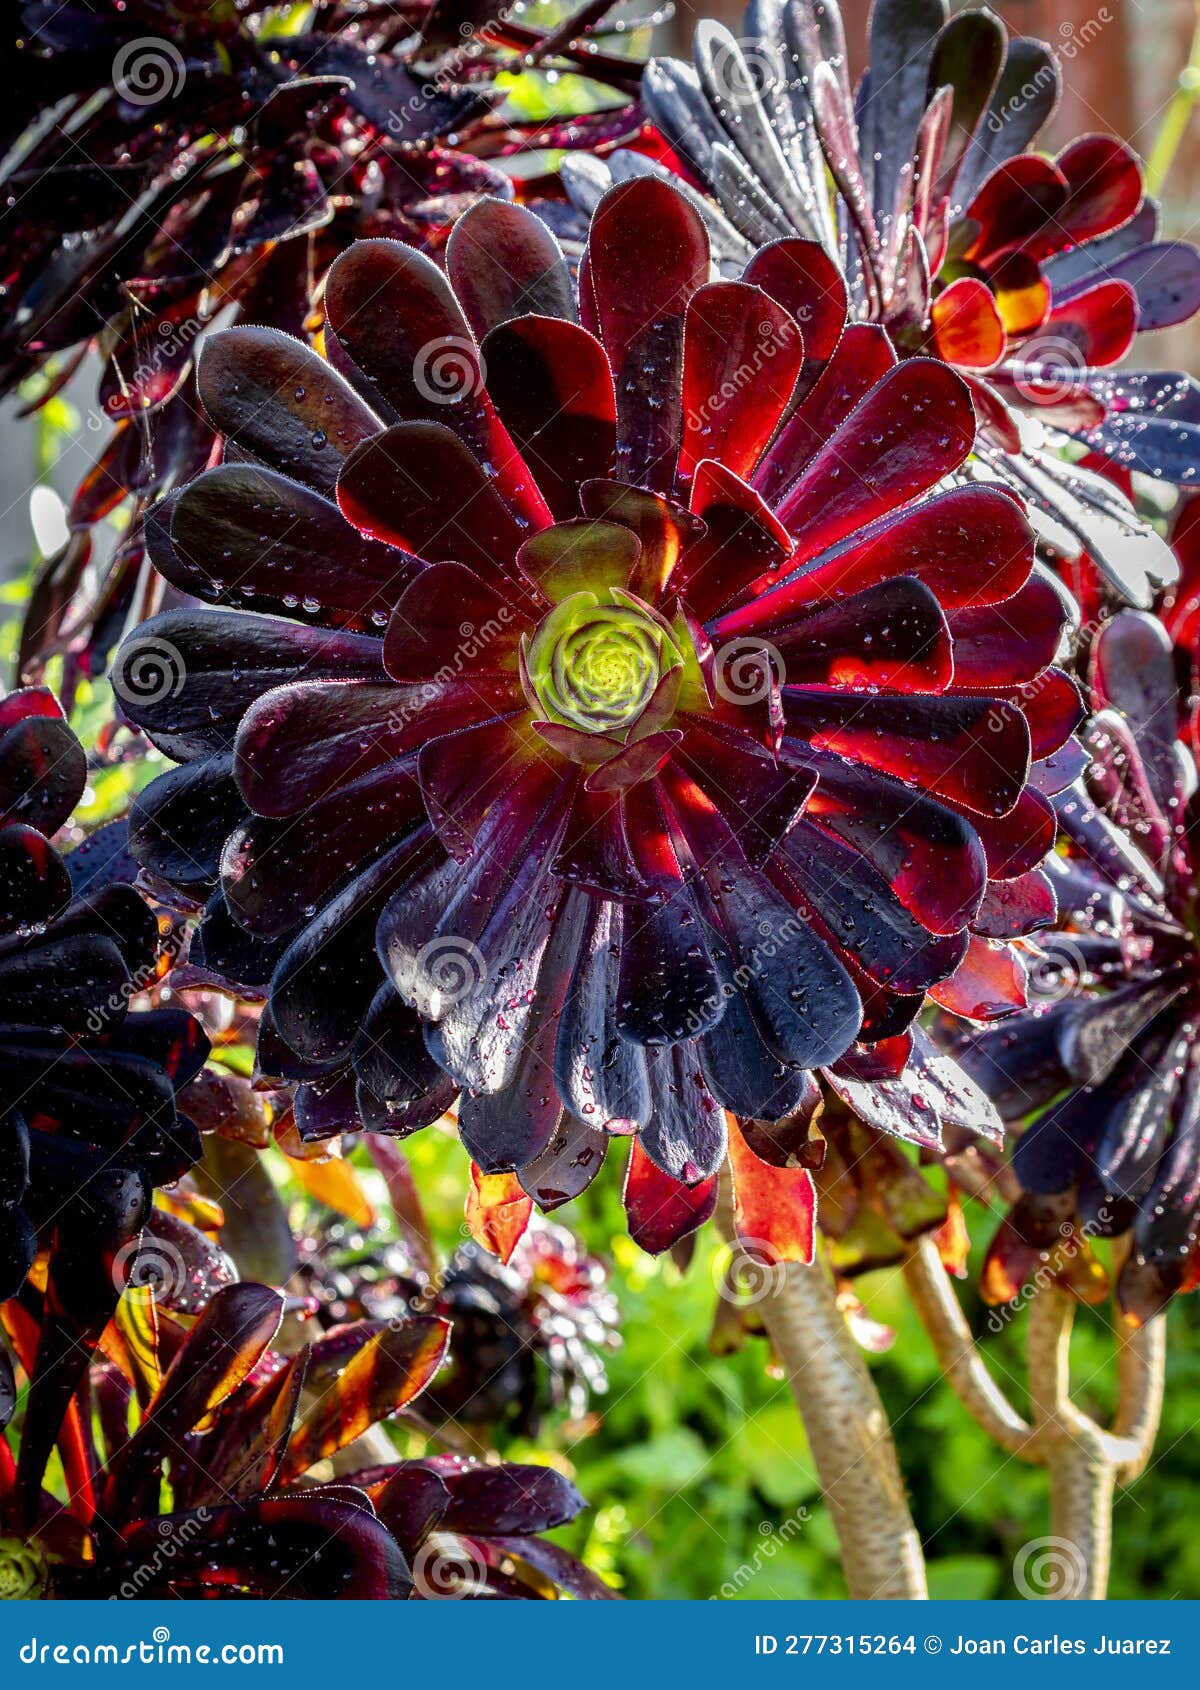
[
  {"x": 1101, "y": 1074},
  {"x": 164, "y": 162},
  {"x": 581, "y": 727},
  {"x": 235, "y": 1426},
  {"x": 1029, "y": 275}
]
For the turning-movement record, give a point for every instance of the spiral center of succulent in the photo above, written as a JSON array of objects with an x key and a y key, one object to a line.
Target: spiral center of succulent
[
  {"x": 22, "y": 1571},
  {"x": 597, "y": 660}
]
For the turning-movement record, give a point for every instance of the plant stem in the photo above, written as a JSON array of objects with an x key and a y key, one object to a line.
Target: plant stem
[
  {"x": 1141, "y": 1374},
  {"x": 1081, "y": 1478},
  {"x": 966, "y": 1372},
  {"x": 1085, "y": 1462},
  {"x": 847, "y": 1429},
  {"x": 1175, "y": 120}
]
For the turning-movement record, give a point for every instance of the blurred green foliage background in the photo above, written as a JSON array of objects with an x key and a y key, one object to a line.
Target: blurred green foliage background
[{"x": 699, "y": 1473}]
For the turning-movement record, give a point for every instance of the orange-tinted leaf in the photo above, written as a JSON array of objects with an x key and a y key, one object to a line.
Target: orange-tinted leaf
[
  {"x": 219, "y": 1101},
  {"x": 967, "y": 328},
  {"x": 204, "y": 1213},
  {"x": 952, "y": 1238},
  {"x": 1008, "y": 1264},
  {"x": 989, "y": 981},
  {"x": 222, "y": 1349},
  {"x": 386, "y": 1373},
  {"x": 131, "y": 1340},
  {"x": 255, "y": 1459},
  {"x": 335, "y": 1184},
  {"x": 497, "y": 1211},
  {"x": 774, "y": 1209}
]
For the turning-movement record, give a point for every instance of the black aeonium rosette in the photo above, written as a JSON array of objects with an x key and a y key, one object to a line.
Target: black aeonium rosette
[
  {"x": 582, "y": 729},
  {"x": 1030, "y": 275},
  {"x": 1102, "y": 1074}
]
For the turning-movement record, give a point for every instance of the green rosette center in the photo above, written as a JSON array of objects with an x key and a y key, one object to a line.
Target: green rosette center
[
  {"x": 598, "y": 660},
  {"x": 23, "y": 1571}
]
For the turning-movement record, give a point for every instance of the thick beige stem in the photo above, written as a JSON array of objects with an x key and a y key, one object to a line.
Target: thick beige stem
[
  {"x": 966, "y": 1372},
  {"x": 1141, "y": 1373},
  {"x": 848, "y": 1431},
  {"x": 1078, "y": 1455}
]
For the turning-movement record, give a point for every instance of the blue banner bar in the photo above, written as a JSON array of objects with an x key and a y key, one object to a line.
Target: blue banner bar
[{"x": 736, "y": 1645}]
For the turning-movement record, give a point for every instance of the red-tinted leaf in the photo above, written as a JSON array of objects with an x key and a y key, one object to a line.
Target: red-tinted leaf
[{"x": 774, "y": 1209}]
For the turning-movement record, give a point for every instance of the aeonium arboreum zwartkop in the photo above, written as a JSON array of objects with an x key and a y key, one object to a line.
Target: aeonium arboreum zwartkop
[
  {"x": 1030, "y": 275},
  {"x": 601, "y": 738}
]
